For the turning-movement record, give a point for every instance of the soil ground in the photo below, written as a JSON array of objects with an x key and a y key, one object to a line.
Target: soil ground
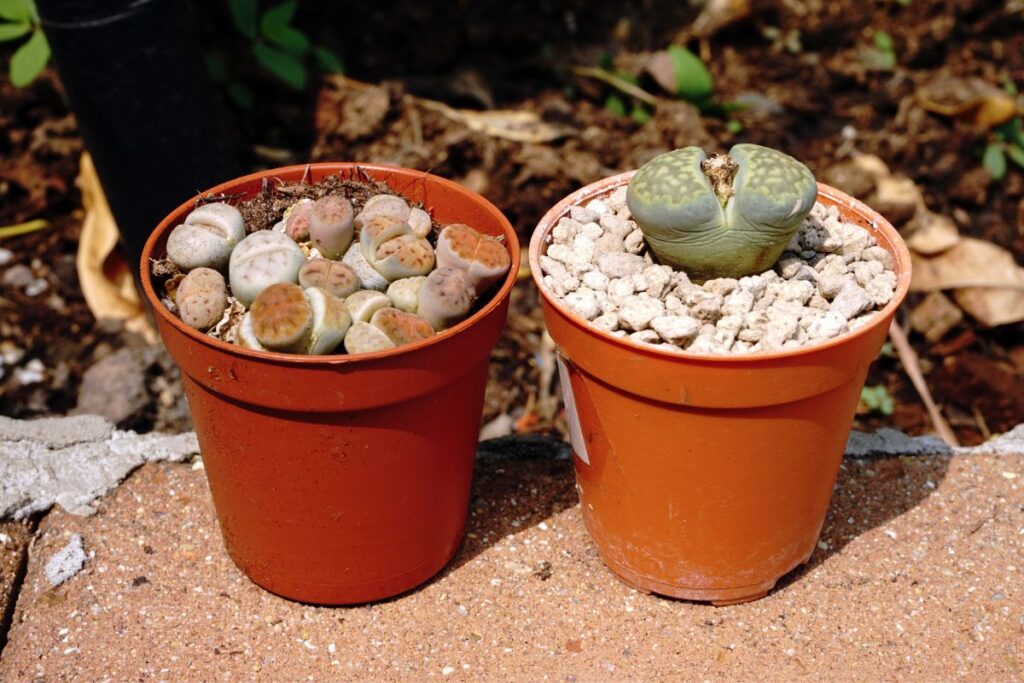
[{"x": 803, "y": 68}]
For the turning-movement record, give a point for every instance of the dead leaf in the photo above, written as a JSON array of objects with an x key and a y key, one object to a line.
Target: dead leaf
[
  {"x": 931, "y": 233},
  {"x": 935, "y": 316},
  {"x": 969, "y": 99},
  {"x": 716, "y": 15},
  {"x": 988, "y": 283},
  {"x": 106, "y": 279},
  {"x": 896, "y": 197}
]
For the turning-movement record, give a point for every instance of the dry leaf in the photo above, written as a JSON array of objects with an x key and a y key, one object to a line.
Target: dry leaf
[
  {"x": 968, "y": 99},
  {"x": 509, "y": 124},
  {"x": 935, "y": 316},
  {"x": 931, "y": 233},
  {"x": 105, "y": 278},
  {"x": 988, "y": 283}
]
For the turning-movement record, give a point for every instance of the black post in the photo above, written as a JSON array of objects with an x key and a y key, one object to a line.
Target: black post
[{"x": 145, "y": 105}]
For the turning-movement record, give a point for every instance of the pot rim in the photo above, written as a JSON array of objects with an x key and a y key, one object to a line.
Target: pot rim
[
  {"x": 326, "y": 168},
  {"x": 606, "y": 185}
]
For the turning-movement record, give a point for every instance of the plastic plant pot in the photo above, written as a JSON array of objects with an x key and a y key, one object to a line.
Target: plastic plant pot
[
  {"x": 342, "y": 479},
  {"x": 708, "y": 477}
]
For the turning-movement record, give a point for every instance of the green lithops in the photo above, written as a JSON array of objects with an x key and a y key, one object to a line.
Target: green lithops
[{"x": 721, "y": 216}]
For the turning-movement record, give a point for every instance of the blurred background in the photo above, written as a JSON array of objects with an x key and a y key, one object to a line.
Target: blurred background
[{"x": 911, "y": 105}]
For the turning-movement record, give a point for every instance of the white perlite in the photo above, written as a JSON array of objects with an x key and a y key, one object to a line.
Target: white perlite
[
  {"x": 831, "y": 280},
  {"x": 66, "y": 562}
]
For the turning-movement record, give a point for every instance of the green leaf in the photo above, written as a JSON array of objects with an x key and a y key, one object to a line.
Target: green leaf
[
  {"x": 615, "y": 105},
  {"x": 282, "y": 64},
  {"x": 12, "y": 31},
  {"x": 733, "y": 126},
  {"x": 16, "y": 10},
  {"x": 693, "y": 80},
  {"x": 292, "y": 40},
  {"x": 1016, "y": 154},
  {"x": 280, "y": 15},
  {"x": 243, "y": 16},
  {"x": 30, "y": 59},
  {"x": 994, "y": 161},
  {"x": 878, "y": 399},
  {"x": 241, "y": 95},
  {"x": 640, "y": 114},
  {"x": 328, "y": 61},
  {"x": 883, "y": 41},
  {"x": 1012, "y": 131}
]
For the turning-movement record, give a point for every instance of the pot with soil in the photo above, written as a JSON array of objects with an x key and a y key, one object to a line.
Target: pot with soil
[
  {"x": 333, "y": 324},
  {"x": 715, "y": 320}
]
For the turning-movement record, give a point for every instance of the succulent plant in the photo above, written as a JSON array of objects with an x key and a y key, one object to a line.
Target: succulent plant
[
  {"x": 206, "y": 238},
  {"x": 364, "y": 303},
  {"x": 401, "y": 327},
  {"x": 724, "y": 216},
  {"x": 262, "y": 259},
  {"x": 331, "y": 321},
  {"x": 484, "y": 258},
  {"x": 387, "y": 205},
  {"x": 333, "y": 277},
  {"x": 404, "y": 293},
  {"x": 420, "y": 222},
  {"x": 282, "y": 318},
  {"x": 445, "y": 297},
  {"x": 245, "y": 336},
  {"x": 202, "y": 298},
  {"x": 296, "y": 220},
  {"x": 331, "y": 225},
  {"x": 393, "y": 249},
  {"x": 363, "y": 337},
  {"x": 369, "y": 278}
]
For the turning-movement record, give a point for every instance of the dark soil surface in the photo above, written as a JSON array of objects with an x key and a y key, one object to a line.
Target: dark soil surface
[{"x": 808, "y": 73}]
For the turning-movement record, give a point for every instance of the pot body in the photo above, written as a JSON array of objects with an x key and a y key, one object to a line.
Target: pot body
[
  {"x": 342, "y": 479},
  {"x": 708, "y": 477}
]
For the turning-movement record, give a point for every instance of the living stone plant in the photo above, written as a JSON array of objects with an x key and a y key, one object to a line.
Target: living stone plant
[
  {"x": 728, "y": 215},
  {"x": 328, "y": 278}
]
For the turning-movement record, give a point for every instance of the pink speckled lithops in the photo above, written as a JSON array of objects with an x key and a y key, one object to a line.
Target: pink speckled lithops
[
  {"x": 445, "y": 297},
  {"x": 401, "y": 327},
  {"x": 405, "y": 256},
  {"x": 484, "y": 258},
  {"x": 363, "y": 337},
  {"x": 387, "y": 205},
  {"x": 296, "y": 221},
  {"x": 202, "y": 297},
  {"x": 282, "y": 318},
  {"x": 331, "y": 276},
  {"x": 262, "y": 259},
  {"x": 364, "y": 303},
  {"x": 404, "y": 293},
  {"x": 331, "y": 225},
  {"x": 331, "y": 320},
  {"x": 206, "y": 238},
  {"x": 378, "y": 230}
]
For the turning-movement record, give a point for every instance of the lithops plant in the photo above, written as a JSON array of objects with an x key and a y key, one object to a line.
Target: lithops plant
[
  {"x": 331, "y": 276},
  {"x": 721, "y": 216},
  {"x": 484, "y": 258},
  {"x": 245, "y": 336},
  {"x": 404, "y": 293},
  {"x": 331, "y": 225},
  {"x": 446, "y": 297},
  {"x": 331, "y": 321},
  {"x": 368, "y": 277},
  {"x": 401, "y": 327},
  {"x": 206, "y": 238},
  {"x": 393, "y": 249},
  {"x": 282, "y": 318},
  {"x": 363, "y": 337},
  {"x": 202, "y": 298},
  {"x": 296, "y": 220},
  {"x": 364, "y": 303},
  {"x": 262, "y": 259}
]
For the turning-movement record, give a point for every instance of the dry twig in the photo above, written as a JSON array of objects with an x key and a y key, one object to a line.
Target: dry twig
[{"x": 908, "y": 357}]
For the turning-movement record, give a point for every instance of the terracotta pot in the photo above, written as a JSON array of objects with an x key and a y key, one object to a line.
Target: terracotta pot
[
  {"x": 708, "y": 477},
  {"x": 342, "y": 479}
]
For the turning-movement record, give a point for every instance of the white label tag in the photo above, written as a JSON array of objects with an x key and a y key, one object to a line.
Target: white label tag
[{"x": 579, "y": 445}]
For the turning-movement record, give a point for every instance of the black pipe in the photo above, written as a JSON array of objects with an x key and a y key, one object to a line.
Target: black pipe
[{"x": 145, "y": 106}]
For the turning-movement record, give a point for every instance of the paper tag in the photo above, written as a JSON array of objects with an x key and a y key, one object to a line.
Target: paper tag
[{"x": 579, "y": 445}]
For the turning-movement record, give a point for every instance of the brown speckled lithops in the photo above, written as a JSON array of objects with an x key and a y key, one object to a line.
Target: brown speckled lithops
[
  {"x": 332, "y": 276},
  {"x": 282, "y": 318},
  {"x": 484, "y": 258},
  {"x": 202, "y": 298}
]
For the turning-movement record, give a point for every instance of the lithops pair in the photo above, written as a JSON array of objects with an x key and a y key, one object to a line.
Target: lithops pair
[
  {"x": 393, "y": 249},
  {"x": 262, "y": 259},
  {"x": 443, "y": 298},
  {"x": 387, "y": 328},
  {"x": 326, "y": 223},
  {"x": 724, "y": 216},
  {"x": 396, "y": 208},
  {"x": 285, "y": 317},
  {"x": 206, "y": 238}
]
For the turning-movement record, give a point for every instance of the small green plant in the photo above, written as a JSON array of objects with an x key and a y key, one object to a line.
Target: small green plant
[
  {"x": 280, "y": 48},
  {"x": 877, "y": 399},
  {"x": 20, "y": 20},
  {"x": 881, "y": 55},
  {"x": 1005, "y": 143}
]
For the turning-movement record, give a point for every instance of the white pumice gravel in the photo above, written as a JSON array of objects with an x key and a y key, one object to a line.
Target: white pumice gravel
[{"x": 831, "y": 280}]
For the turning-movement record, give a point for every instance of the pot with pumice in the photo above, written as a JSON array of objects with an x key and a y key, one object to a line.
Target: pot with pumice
[{"x": 715, "y": 318}]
